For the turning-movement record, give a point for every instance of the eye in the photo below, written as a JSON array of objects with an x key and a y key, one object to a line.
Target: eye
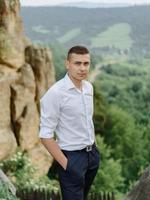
[
  {"x": 86, "y": 63},
  {"x": 77, "y": 63}
]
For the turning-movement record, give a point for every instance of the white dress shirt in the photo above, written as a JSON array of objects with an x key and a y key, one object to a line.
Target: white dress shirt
[{"x": 68, "y": 112}]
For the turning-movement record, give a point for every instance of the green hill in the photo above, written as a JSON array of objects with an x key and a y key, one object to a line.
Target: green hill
[
  {"x": 117, "y": 36},
  {"x": 123, "y": 29}
]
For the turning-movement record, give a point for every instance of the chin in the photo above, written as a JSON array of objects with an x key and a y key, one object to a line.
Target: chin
[{"x": 82, "y": 77}]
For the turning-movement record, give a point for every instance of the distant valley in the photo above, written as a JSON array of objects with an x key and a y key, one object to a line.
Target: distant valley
[{"x": 120, "y": 30}]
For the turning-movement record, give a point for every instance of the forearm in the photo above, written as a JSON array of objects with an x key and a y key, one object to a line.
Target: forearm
[{"x": 53, "y": 148}]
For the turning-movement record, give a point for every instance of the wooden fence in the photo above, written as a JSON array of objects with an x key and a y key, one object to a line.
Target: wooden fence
[{"x": 51, "y": 195}]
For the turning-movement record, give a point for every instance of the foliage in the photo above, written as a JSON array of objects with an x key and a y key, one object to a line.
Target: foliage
[
  {"x": 109, "y": 177},
  {"x": 100, "y": 110},
  {"x": 22, "y": 173},
  {"x": 18, "y": 168},
  {"x": 126, "y": 85},
  {"x": 127, "y": 142},
  {"x": 59, "y": 56},
  {"x": 5, "y": 193},
  {"x": 125, "y": 91}
]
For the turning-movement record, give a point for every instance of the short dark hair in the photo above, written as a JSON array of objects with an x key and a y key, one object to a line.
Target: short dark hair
[{"x": 77, "y": 50}]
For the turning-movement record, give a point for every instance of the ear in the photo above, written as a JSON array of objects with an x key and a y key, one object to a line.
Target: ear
[{"x": 67, "y": 64}]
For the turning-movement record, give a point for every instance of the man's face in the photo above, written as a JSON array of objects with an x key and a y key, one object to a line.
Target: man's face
[{"x": 78, "y": 66}]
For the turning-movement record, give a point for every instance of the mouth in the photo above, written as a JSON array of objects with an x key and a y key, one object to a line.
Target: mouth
[{"x": 81, "y": 74}]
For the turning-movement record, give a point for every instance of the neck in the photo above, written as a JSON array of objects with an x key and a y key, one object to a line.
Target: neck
[{"x": 77, "y": 83}]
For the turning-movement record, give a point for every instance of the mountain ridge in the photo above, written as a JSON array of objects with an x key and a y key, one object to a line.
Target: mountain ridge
[{"x": 51, "y": 25}]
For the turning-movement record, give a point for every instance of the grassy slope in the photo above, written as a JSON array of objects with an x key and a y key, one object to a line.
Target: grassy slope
[
  {"x": 69, "y": 35},
  {"x": 117, "y": 36}
]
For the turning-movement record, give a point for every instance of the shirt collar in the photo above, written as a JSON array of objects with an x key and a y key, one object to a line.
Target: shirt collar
[{"x": 68, "y": 82}]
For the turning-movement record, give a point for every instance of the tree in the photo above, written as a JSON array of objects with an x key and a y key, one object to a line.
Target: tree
[
  {"x": 100, "y": 110},
  {"x": 126, "y": 140},
  {"x": 109, "y": 176}
]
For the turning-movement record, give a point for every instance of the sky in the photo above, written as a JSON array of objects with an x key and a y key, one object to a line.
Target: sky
[{"x": 56, "y": 2}]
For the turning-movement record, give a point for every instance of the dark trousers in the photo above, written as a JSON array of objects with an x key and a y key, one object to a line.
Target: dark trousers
[{"x": 76, "y": 180}]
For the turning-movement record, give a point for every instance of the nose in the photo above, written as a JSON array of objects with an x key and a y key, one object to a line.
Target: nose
[{"x": 82, "y": 67}]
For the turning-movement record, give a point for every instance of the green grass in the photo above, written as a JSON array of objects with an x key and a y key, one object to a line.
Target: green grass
[
  {"x": 40, "y": 29},
  {"x": 117, "y": 36},
  {"x": 69, "y": 35}
]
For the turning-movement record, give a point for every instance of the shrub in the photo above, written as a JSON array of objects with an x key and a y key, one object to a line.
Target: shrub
[
  {"x": 5, "y": 194},
  {"x": 22, "y": 173}
]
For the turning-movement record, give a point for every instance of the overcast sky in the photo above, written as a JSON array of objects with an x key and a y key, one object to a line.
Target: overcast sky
[{"x": 55, "y": 2}]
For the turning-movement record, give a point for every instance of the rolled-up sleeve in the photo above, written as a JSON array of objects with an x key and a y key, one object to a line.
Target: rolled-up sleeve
[{"x": 49, "y": 114}]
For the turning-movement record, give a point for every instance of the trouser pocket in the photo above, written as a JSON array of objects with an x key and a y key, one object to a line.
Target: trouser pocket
[{"x": 77, "y": 163}]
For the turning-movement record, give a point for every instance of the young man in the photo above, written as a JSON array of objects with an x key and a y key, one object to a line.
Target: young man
[{"x": 67, "y": 110}]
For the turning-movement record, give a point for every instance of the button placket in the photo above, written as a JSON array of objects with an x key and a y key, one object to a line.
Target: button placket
[{"x": 86, "y": 111}]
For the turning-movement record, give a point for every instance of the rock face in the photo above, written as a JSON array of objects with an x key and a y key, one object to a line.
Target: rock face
[
  {"x": 142, "y": 190},
  {"x": 40, "y": 59},
  {"x": 12, "y": 39},
  {"x": 26, "y": 72}
]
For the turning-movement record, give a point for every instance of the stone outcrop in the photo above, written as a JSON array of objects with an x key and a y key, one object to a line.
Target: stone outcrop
[
  {"x": 7, "y": 138},
  {"x": 142, "y": 190},
  {"x": 39, "y": 59},
  {"x": 11, "y": 38},
  {"x": 26, "y": 72}
]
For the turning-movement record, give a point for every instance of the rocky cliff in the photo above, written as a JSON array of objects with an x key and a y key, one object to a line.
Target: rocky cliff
[
  {"x": 26, "y": 72},
  {"x": 142, "y": 190}
]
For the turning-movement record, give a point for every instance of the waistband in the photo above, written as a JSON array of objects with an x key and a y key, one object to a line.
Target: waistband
[{"x": 87, "y": 148}]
